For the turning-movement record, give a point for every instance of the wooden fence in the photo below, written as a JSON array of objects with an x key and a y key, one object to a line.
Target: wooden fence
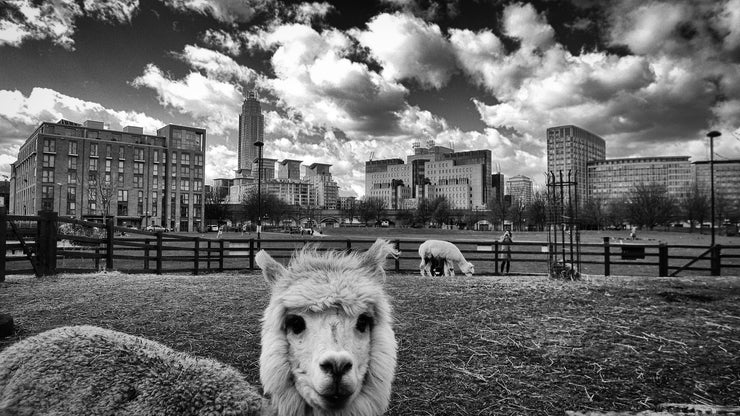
[{"x": 39, "y": 245}]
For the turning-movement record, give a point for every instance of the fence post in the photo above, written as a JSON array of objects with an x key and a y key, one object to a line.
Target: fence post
[
  {"x": 495, "y": 257},
  {"x": 3, "y": 241},
  {"x": 97, "y": 257},
  {"x": 397, "y": 245},
  {"x": 146, "y": 254},
  {"x": 159, "y": 252},
  {"x": 208, "y": 256},
  {"x": 349, "y": 245},
  {"x": 109, "y": 244},
  {"x": 196, "y": 255},
  {"x": 220, "y": 255},
  {"x": 607, "y": 257},
  {"x": 46, "y": 243},
  {"x": 716, "y": 260},
  {"x": 251, "y": 254},
  {"x": 662, "y": 260}
]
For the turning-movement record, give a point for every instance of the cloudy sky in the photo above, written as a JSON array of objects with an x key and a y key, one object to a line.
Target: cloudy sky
[{"x": 342, "y": 80}]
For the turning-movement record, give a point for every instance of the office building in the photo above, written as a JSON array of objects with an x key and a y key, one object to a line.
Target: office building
[
  {"x": 520, "y": 189},
  {"x": 569, "y": 150},
  {"x": 726, "y": 186},
  {"x": 89, "y": 172},
  {"x": 463, "y": 178},
  {"x": 251, "y": 130},
  {"x": 612, "y": 180}
]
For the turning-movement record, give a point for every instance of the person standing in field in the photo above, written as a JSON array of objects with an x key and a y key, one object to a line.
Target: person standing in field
[
  {"x": 220, "y": 231},
  {"x": 506, "y": 251}
]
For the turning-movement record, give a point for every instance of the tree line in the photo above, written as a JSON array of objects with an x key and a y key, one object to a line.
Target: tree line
[{"x": 645, "y": 205}]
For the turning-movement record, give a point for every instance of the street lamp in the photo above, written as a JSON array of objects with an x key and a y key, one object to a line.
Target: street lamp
[
  {"x": 712, "y": 134},
  {"x": 259, "y": 145}
]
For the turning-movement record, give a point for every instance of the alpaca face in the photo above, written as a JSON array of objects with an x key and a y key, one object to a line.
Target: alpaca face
[{"x": 328, "y": 353}]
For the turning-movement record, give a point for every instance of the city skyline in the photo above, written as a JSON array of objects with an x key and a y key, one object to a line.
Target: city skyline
[{"x": 337, "y": 84}]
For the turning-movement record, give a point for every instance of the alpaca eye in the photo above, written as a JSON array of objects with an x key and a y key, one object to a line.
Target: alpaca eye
[
  {"x": 364, "y": 322},
  {"x": 295, "y": 324}
]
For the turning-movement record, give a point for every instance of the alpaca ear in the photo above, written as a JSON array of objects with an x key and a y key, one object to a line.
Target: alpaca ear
[
  {"x": 375, "y": 256},
  {"x": 271, "y": 269}
]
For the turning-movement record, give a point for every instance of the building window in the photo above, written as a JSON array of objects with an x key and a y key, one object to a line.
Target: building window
[
  {"x": 138, "y": 153},
  {"x": 107, "y": 166},
  {"x": 47, "y": 161},
  {"x": 71, "y": 177},
  {"x": 122, "y": 153},
  {"x": 184, "y": 170},
  {"x": 155, "y": 170},
  {"x": 155, "y": 183},
  {"x": 184, "y": 184},
  {"x": 121, "y": 165},
  {"x": 140, "y": 203},
  {"x": 122, "y": 202},
  {"x": 72, "y": 162},
  {"x": 185, "y": 159},
  {"x": 120, "y": 179},
  {"x": 93, "y": 164},
  {"x": 73, "y": 147},
  {"x": 138, "y": 168},
  {"x": 108, "y": 151},
  {"x": 197, "y": 185},
  {"x": 92, "y": 197},
  {"x": 93, "y": 150},
  {"x": 49, "y": 145},
  {"x": 155, "y": 156},
  {"x": 71, "y": 200},
  {"x": 154, "y": 203},
  {"x": 138, "y": 181},
  {"x": 198, "y": 160},
  {"x": 47, "y": 175},
  {"x": 184, "y": 205}
]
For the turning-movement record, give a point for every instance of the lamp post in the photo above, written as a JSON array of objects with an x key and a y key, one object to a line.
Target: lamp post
[
  {"x": 712, "y": 134},
  {"x": 259, "y": 145}
]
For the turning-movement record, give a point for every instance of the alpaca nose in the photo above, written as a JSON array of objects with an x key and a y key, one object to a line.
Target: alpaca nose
[{"x": 336, "y": 364}]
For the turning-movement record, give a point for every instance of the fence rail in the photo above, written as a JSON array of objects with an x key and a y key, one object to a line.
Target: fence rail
[{"x": 97, "y": 246}]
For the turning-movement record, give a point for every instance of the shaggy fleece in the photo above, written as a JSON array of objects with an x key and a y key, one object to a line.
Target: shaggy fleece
[{"x": 85, "y": 370}]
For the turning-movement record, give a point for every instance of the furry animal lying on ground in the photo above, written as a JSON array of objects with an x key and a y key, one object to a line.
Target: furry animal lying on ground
[
  {"x": 443, "y": 250},
  {"x": 328, "y": 349}
]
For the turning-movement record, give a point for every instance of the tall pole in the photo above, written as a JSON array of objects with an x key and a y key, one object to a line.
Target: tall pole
[
  {"x": 259, "y": 145},
  {"x": 712, "y": 134}
]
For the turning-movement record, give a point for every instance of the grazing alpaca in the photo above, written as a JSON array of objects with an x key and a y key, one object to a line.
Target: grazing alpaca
[
  {"x": 328, "y": 349},
  {"x": 443, "y": 250}
]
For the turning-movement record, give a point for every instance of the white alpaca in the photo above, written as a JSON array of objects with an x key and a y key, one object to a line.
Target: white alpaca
[
  {"x": 443, "y": 250},
  {"x": 328, "y": 349}
]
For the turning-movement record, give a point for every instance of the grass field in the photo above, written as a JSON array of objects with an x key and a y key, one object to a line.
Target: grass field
[{"x": 467, "y": 346}]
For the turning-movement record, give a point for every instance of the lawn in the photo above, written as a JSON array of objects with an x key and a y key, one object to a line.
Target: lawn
[{"x": 480, "y": 345}]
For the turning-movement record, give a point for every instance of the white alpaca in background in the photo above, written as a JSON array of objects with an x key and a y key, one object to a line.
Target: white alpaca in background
[
  {"x": 328, "y": 349},
  {"x": 452, "y": 256}
]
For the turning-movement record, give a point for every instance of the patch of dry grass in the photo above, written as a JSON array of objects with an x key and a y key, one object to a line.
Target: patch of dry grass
[{"x": 484, "y": 345}]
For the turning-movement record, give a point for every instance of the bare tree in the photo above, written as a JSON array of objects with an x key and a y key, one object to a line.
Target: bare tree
[
  {"x": 372, "y": 208},
  {"x": 695, "y": 206},
  {"x": 650, "y": 205},
  {"x": 105, "y": 190},
  {"x": 537, "y": 211}
]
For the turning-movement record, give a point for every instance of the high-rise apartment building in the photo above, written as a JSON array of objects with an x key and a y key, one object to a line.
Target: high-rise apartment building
[
  {"x": 570, "y": 149},
  {"x": 251, "y": 130},
  {"x": 612, "y": 180},
  {"x": 87, "y": 171},
  {"x": 520, "y": 189}
]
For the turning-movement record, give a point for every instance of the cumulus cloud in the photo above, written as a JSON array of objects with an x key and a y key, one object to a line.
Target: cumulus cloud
[
  {"x": 20, "y": 115},
  {"x": 649, "y": 28},
  {"x": 217, "y": 65},
  {"x": 227, "y": 11},
  {"x": 211, "y": 102},
  {"x": 224, "y": 41},
  {"x": 409, "y": 48},
  {"x": 309, "y": 12},
  {"x": 522, "y": 22},
  {"x": 221, "y": 162},
  {"x": 314, "y": 77},
  {"x": 27, "y": 19}
]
